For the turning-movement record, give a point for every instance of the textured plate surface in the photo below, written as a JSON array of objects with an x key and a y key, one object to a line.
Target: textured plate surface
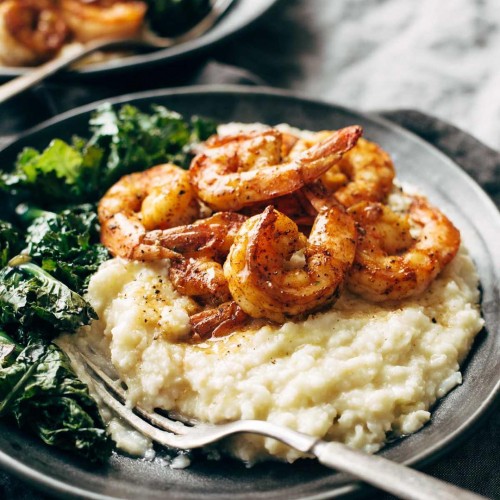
[
  {"x": 416, "y": 162},
  {"x": 240, "y": 16}
]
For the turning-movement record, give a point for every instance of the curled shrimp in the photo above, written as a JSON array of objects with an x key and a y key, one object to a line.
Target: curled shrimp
[
  {"x": 31, "y": 31},
  {"x": 237, "y": 171},
  {"x": 158, "y": 197},
  {"x": 204, "y": 245},
  {"x": 365, "y": 173},
  {"x": 390, "y": 264},
  {"x": 202, "y": 279},
  {"x": 264, "y": 280},
  {"x": 199, "y": 273},
  {"x": 91, "y": 19},
  {"x": 296, "y": 206},
  {"x": 205, "y": 238}
]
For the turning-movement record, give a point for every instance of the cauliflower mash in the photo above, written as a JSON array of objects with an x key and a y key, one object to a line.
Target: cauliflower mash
[{"x": 353, "y": 373}]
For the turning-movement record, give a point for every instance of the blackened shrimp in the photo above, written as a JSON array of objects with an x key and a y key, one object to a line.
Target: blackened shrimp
[
  {"x": 365, "y": 173},
  {"x": 31, "y": 31},
  {"x": 158, "y": 197},
  {"x": 203, "y": 245},
  {"x": 206, "y": 238},
  {"x": 234, "y": 172},
  {"x": 203, "y": 279},
  {"x": 390, "y": 264},
  {"x": 91, "y": 19},
  {"x": 268, "y": 278}
]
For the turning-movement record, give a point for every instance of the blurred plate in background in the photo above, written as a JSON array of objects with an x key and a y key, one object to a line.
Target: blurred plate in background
[{"x": 240, "y": 16}]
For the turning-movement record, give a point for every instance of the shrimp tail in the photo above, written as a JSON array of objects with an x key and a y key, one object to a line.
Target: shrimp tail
[{"x": 323, "y": 155}]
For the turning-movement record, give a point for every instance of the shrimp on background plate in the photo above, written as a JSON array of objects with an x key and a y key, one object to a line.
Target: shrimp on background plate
[
  {"x": 91, "y": 19},
  {"x": 31, "y": 31}
]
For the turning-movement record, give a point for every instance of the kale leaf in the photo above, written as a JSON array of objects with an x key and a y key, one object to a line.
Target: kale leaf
[
  {"x": 8, "y": 348},
  {"x": 40, "y": 391},
  {"x": 56, "y": 176},
  {"x": 135, "y": 140},
  {"x": 37, "y": 386},
  {"x": 122, "y": 141},
  {"x": 65, "y": 244},
  {"x": 32, "y": 299}
]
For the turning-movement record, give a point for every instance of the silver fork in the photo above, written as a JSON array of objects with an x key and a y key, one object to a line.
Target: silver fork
[
  {"x": 144, "y": 39},
  {"x": 173, "y": 433}
]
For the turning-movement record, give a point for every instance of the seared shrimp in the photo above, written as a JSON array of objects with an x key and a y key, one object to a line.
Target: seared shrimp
[
  {"x": 91, "y": 19},
  {"x": 31, "y": 31},
  {"x": 206, "y": 238},
  {"x": 127, "y": 214},
  {"x": 267, "y": 282},
  {"x": 201, "y": 278},
  {"x": 365, "y": 173},
  {"x": 296, "y": 205},
  {"x": 238, "y": 171},
  {"x": 218, "y": 321},
  {"x": 390, "y": 264}
]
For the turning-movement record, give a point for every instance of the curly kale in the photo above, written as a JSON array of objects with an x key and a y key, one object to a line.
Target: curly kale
[
  {"x": 122, "y": 141},
  {"x": 32, "y": 299},
  {"x": 56, "y": 176},
  {"x": 135, "y": 140},
  {"x": 45, "y": 268},
  {"x": 38, "y": 388},
  {"x": 65, "y": 244}
]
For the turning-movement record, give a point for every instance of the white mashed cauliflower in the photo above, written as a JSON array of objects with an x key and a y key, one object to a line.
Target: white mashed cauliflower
[{"x": 352, "y": 374}]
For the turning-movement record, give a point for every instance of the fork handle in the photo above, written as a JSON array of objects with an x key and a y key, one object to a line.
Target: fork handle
[
  {"x": 36, "y": 75},
  {"x": 389, "y": 476}
]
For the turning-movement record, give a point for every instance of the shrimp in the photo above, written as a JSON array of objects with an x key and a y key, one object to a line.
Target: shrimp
[
  {"x": 206, "y": 238},
  {"x": 200, "y": 278},
  {"x": 295, "y": 205},
  {"x": 203, "y": 246},
  {"x": 390, "y": 264},
  {"x": 237, "y": 171},
  {"x": 31, "y": 32},
  {"x": 267, "y": 283},
  {"x": 126, "y": 215},
  {"x": 366, "y": 172},
  {"x": 91, "y": 19},
  {"x": 218, "y": 322}
]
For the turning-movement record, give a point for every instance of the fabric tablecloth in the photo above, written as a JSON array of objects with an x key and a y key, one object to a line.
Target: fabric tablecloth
[{"x": 297, "y": 46}]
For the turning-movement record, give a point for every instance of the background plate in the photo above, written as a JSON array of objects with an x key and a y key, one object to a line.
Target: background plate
[
  {"x": 240, "y": 16},
  {"x": 416, "y": 162}
]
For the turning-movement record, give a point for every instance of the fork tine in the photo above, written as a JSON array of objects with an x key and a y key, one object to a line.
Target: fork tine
[
  {"x": 162, "y": 437},
  {"x": 156, "y": 419}
]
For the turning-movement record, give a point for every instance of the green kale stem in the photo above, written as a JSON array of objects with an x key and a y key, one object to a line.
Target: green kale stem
[
  {"x": 23, "y": 262},
  {"x": 16, "y": 390}
]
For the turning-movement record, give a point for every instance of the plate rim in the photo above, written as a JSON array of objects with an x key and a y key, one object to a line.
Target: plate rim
[
  {"x": 188, "y": 49},
  {"x": 431, "y": 453}
]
